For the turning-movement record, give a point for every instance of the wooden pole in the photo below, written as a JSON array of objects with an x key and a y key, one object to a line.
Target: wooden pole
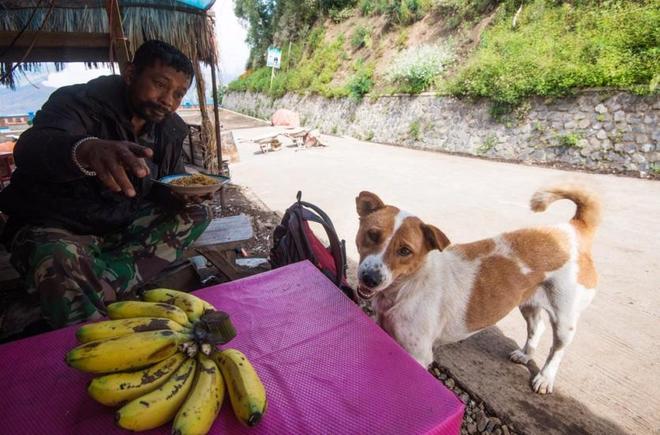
[
  {"x": 288, "y": 56},
  {"x": 118, "y": 41},
  {"x": 216, "y": 113},
  {"x": 206, "y": 132},
  {"x": 272, "y": 74}
]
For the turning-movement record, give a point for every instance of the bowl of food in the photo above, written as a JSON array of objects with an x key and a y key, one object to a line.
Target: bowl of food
[{"x": 193, "y": 184}]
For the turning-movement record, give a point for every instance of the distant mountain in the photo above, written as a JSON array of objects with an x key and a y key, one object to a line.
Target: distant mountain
[
  {"x": 29, "y": 98},
  {"x": 26, "y": 98}
]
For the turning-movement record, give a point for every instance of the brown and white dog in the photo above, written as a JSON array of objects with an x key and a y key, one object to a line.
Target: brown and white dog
[{"x": 428, "y": 291}]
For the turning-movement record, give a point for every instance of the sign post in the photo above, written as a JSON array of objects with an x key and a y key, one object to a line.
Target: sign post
[{"x": 273, "y": 60}]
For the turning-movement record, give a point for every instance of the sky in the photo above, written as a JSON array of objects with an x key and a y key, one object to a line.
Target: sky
[{"x": 34, "y": 91}]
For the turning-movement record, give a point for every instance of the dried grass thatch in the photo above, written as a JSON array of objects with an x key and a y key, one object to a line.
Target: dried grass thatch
[{"x": 190, "y": 30}]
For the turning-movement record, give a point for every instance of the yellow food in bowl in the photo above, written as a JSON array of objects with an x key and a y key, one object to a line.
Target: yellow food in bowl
[{"x": 194, "y": 180}]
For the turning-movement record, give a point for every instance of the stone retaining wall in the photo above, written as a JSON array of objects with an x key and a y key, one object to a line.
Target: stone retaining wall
[{"x": 595, "y": 130}]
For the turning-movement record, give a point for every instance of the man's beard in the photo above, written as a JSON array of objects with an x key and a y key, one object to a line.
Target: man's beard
[{"x": 152, "y": 112}]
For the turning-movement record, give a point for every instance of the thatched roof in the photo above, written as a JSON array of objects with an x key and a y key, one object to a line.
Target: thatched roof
[{"x": 76, "y": 30}]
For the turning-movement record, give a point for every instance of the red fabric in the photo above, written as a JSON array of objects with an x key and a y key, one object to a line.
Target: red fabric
[
  {"x": 327, "y": 368},
  {"x": 324, "y": 257},
  {"x": 285, "y": 117}
]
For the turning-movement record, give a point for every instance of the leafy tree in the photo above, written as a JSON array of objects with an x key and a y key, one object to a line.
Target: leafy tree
[{"x": 258, "y": 16}]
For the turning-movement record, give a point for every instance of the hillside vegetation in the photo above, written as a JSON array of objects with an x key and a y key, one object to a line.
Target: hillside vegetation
[{"x": 503, "y": 50}]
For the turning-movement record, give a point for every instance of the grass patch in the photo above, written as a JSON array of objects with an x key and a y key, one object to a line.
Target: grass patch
[
  {"x": 488, "y": 144},
  {"x": 361, "y": 38},
  {"x": 415, "y": 130},
  {"x": 569, "y": 140},
  {"x": 558, "y": 48},
  {"x": 313, "y": 73},
  {"x": 402, "y": 39}
]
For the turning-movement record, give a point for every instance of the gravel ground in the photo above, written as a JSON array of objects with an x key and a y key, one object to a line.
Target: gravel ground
[{"x": 478, "y": 418}]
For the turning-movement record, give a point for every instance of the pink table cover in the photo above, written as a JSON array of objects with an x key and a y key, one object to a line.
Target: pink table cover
[{"x": 327, "y": 368}]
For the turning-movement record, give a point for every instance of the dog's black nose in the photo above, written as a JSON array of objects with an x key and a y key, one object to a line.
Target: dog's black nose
[{"x": 371, "y": 278}]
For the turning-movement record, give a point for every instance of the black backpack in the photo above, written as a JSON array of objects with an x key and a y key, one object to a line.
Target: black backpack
[{"x": 294, "y": 240}]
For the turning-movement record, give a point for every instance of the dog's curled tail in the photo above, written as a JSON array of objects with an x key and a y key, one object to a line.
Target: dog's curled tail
[{"x": 587, "y": 214}]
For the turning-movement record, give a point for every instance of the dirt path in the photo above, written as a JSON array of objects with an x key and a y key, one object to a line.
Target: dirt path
[{"x": 609, "y": 381}]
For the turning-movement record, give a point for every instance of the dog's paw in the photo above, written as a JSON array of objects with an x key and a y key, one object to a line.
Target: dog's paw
[
  {"x": 542, "y": 385},
  {"x": 519, "y": 357}
]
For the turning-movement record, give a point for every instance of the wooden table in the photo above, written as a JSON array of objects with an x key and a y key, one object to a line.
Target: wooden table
[{"x": 327, "y": 369}]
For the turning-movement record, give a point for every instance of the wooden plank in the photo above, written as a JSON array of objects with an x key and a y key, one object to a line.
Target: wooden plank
[
  {"x": 66, "y": 54},
  {"x": 225, "y": 231},
  {"x": 57, "y": 40}
]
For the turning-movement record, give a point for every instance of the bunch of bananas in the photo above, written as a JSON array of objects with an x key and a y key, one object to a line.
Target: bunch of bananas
[{"x": 158, "y": 359}]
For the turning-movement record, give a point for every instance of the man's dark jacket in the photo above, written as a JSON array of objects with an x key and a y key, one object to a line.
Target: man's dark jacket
[{"x": 48, "y": 189}]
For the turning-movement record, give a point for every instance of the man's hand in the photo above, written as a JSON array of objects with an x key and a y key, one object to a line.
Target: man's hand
[{"x": 110, "y": 159}]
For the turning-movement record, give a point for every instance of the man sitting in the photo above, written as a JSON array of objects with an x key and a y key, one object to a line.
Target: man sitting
[{"x": 86, "y": 223}]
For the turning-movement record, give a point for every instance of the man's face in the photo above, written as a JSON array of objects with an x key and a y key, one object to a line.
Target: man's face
[{"x": 156, "y": 91}]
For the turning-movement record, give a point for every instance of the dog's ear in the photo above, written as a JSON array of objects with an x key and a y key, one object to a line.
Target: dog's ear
[
  {"x": 367, "y": 202},
  {"x": 434, "y": 238}
]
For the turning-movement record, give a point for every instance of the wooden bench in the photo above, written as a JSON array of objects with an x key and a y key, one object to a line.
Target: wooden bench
[{"x": 219, "y": 243}]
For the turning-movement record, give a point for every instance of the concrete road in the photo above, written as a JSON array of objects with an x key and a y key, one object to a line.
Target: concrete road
[{"x": 609, "y": 381}]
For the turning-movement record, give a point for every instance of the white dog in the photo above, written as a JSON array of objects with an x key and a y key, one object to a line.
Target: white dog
[{"x": 427, "y": 291}]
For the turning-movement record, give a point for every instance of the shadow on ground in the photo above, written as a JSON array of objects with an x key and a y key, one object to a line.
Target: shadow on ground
[{"x": 481, "y": 366}]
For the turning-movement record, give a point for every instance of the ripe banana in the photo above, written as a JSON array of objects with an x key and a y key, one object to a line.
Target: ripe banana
[
  {"x": 128, "y": 309},
  {"x": 246, "y": 392},
  {"x": 116, "y": 388},
  {"x": 202, "y": 406},
  {"x": 120, "y": 327},
  {"x": 125, "y": 353},
  {"x": 159, "y": 406},
  {"x": 191, "y": 304}
]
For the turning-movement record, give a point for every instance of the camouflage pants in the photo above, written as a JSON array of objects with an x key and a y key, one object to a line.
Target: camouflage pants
[{"x": 76, "y": 275}]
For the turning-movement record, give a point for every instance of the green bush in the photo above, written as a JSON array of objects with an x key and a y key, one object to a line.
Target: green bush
[
  {"x": 339, "y": 15},
  {"x": 362, "y": 81},
  {"x": 361, "y": 37},
  {"x": 459, "y": 11},
  {"x": 366, "y": 7},
  {"x": 556, "y": 49},
  {"x": 406, "y": 12}
]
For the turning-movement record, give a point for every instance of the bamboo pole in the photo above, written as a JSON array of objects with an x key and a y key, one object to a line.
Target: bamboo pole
[
  {"x": 208, "y": 141},
  {"x": 216, "y": 114},
  {"x": 118, "y": 42}
]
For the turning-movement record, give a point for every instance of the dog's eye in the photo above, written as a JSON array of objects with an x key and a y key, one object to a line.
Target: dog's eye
[
  {"x": 403, "y": 252},
  {"x": 373, "y": 235}
]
